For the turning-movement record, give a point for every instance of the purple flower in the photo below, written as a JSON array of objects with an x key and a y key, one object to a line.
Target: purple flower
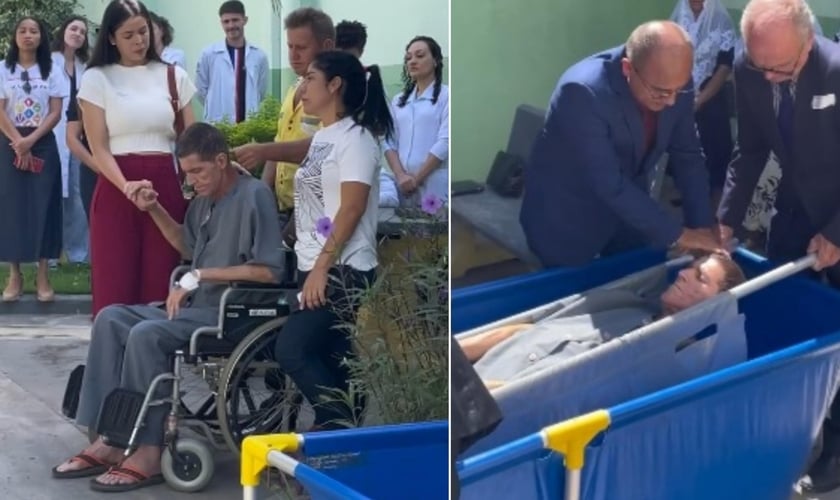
[
  {"x": 431, "y": 204},
  {"x": 324, "y": 226}
]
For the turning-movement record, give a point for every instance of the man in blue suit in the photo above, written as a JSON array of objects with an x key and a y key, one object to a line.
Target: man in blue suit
[
  {"x": 787, "y": 89},
  {"x": 611, "y": 118}
]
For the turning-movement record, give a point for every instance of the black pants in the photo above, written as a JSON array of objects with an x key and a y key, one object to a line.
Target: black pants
[
  {"x": 790, "y": 232},
  {"x": 87, "y": 183},
  {"x": 312, "y": 346}
]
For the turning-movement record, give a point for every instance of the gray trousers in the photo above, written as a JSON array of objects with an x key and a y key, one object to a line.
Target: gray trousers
[{"x": 129, "y": 347}]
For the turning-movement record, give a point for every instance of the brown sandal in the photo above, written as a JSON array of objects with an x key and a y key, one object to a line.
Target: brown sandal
[
  {"x": 95, "y": 468},
  {"x": 142, "y": 480},
  {"x": 47, "y": 296},
  {"x": 10, "y": 294}
]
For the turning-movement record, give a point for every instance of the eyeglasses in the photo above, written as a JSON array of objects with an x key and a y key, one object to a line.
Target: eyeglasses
[
  {"x": 657, "y": 93},
  {"x": 781, "y": 72},
  {"x": 27, "y": 87}
]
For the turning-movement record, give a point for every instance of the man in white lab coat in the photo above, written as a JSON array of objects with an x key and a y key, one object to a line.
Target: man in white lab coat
[{"x": 232, "y": 75}]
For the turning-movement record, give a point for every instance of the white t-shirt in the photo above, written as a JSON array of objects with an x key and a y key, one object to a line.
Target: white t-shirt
[
  {"x": 342, "y": 152},
  {"x": 136, "y": 101},
  {"x": 29, "y": 109}
]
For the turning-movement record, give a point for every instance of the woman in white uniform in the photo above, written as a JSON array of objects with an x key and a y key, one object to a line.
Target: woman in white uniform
[{"x": 419, "y": 152}]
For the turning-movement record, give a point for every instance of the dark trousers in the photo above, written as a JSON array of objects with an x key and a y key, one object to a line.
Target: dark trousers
[
  {"x": 130, "y": 258},
  {"x": 87, "y": 184},
  {"x": 791, "y": 231},
  {"x": 312, "y": 346},
  {"x": 715, "y": 133}
]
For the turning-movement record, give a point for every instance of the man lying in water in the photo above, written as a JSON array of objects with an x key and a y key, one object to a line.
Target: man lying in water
[{"x": 509, "y": 350}]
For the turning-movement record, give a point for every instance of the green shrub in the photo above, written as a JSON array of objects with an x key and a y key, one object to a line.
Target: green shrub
[
  {"x": 401, "y": 331},
  {"x": 259, "y": 126},
  {"x": 51, "y": 12}
]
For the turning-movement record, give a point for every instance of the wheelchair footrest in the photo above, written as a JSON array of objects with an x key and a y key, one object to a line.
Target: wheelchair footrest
[
  {"x": 117, "y": 416},
  {"x": 70, "y": 404}
]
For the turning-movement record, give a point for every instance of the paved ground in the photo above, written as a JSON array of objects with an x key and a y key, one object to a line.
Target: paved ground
[{"x": 36, "y": 355}]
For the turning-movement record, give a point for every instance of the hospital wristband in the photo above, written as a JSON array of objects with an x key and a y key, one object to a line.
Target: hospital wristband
[{"x": 190, "y": 280}]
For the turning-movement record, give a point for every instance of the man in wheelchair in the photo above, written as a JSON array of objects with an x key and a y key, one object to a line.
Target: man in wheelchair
[
  {"x": 603, "y": 315},
  {"x": 230, "y": 233}
]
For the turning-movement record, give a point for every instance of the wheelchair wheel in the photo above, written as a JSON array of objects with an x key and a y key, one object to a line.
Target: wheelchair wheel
[
  {"x": 192, "y": 470},
  {"x": 255, "y": 396}
]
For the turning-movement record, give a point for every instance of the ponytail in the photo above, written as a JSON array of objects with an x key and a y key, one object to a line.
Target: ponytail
[
  {"x": 363, "y": 94},
  {"x": 374, "y": 113}
]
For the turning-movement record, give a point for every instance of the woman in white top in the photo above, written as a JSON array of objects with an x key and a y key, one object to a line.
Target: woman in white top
[
  {"x": 70, "y": 53},
  {"x": 129, "y": 124},
  {"x": 336, "y": 202},
  {"x": 30, "y": 171},
  {"x": 164, "y": 36},
  {"x": 419, "y": 153}
]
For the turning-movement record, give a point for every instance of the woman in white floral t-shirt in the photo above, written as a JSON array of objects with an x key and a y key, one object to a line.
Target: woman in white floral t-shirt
[
  {"x": 336, "y": 203},
  {"x": 30, "y": 169}
]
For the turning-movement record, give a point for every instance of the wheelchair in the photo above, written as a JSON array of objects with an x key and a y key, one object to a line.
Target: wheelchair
[{"x": 245, "y": 392}]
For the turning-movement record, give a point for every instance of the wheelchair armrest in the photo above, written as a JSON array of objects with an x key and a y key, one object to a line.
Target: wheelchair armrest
[
  {"x": 252, "y": 285},
  {"x": 262, "y": 289}
]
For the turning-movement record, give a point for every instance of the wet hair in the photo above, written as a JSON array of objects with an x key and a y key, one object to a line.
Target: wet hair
[
  {"x": 58, "y": 42},
  {"x": 117, "y": 13},
  {"x": 167, "y": 31},
  {"x": 42, "y": 54},
  {"x": 232, "y": 7},
  {"x": 350, "y": 35},
  {"x": 201, "y": 139},
  {"x": 408, "y": 82},
  {"x": 362, "y": 92},
  {"x": 733, "y": 275},
  {"x": 647, "y": 38},
  {"x": 316, "y": 20}
]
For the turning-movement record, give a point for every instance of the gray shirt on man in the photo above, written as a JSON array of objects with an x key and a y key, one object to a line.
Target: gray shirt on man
[{"x": 240, "y": 228}]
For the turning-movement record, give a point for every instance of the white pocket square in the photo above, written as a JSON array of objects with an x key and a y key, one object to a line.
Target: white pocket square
[{"x": 823, "y": 101}]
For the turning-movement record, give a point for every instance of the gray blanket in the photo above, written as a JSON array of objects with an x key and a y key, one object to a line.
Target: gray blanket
[{"x": 581, "y": 325}]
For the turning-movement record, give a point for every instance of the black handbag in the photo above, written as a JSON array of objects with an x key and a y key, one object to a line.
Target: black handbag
[{"x": 506, "y": 175}]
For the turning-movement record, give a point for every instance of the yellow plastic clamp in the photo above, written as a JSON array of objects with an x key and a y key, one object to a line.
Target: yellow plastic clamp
[
  {"x": 570, "y": 437},
  {"x": 255, "y": 454}
]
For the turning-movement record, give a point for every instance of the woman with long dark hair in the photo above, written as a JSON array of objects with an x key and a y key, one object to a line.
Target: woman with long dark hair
[
  {"x": 30, "y": 170},
  {"x": 336, "y": 203},
  {"x": 130, "y": 126},
  {"x": 70, "y": 52},
  {"x": 419, "y": 153}
]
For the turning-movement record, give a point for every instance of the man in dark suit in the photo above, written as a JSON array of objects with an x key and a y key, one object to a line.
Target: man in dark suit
[
  {"x": 787, "y": 84},
  {"x": 611, "y": 118}
]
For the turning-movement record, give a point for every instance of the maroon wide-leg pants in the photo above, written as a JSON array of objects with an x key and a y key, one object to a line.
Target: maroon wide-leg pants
[{"x": 130, "y": 259}]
